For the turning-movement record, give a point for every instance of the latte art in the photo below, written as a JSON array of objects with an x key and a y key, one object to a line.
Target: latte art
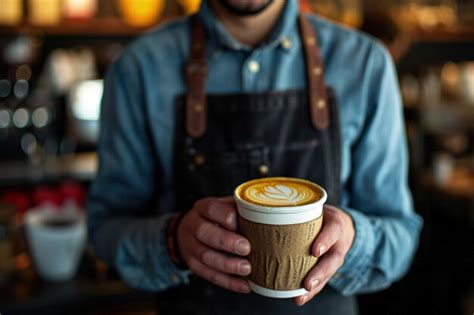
[{"x": 279, "y": 192}]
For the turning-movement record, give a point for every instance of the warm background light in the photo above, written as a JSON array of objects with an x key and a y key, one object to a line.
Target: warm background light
[{"x": 141, "y": 12}]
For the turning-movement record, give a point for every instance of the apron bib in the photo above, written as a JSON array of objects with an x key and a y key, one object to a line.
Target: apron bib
[{"x": 222, "y": 141}]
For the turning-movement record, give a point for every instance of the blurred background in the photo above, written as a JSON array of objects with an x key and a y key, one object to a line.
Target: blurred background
[{"x": 53, "y": 55}]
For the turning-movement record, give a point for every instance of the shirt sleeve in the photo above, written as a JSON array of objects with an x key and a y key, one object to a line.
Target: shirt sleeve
[
  {"x": 123, "y": 229},
  {"x": 378, "y": 198}
]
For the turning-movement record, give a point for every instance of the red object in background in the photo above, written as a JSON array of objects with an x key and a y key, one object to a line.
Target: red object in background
[
  {"x": 56, "y": 196},
  {"x": 18, "y": 199},
  {"x": 74, "y": 192},
  {"x": 46, "y": 195}
]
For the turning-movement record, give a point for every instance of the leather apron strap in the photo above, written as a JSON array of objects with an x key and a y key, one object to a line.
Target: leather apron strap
[
  {"x": 196, "y": 74},
  {"x": 318, "y": 100}
]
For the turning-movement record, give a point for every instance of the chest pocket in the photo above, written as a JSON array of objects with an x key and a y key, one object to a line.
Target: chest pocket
[{"x": 218, "y": 173}]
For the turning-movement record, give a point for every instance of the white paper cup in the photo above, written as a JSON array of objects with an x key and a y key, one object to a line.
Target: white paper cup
[{"x": 281, "y": 238}]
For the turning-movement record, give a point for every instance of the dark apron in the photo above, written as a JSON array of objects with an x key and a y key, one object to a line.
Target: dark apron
[{"x": 224, "y": 140}]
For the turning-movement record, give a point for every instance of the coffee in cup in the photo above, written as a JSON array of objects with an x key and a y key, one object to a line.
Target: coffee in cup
[{"x": 280, "y": 217}]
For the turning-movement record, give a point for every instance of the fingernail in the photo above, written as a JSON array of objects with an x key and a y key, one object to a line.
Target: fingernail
[
  {"x": 322, "y": 250},
  {"x": 245, "y": 269},
  {"x": 242, "y": 247},
  {"x": 303, "y": 299},
  {"x": 245, "y": 289},
  {"x": 314, "y": 284}
]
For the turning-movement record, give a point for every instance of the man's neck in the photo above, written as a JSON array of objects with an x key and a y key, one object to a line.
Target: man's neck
[{"x": 249, "y": 30}]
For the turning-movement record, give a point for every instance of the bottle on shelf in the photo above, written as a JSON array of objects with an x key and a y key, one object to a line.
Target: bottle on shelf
[
  {"x": 141, "y": 13},
  {"x": 11, "y": 13},
  {"x": 79, "y": 9},
  {"x": 44, "y": 12}
]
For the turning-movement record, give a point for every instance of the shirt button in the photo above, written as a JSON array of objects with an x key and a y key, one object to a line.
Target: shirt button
[
  {"x": 254, "y": 66},
  {"x": 199, "y": 159},
  {"x": 286, "y": 43},
  {"x": 263, "y": 170}
]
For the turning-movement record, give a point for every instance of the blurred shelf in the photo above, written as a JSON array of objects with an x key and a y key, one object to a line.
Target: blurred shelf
[
  {"x": 97, "y": 27},
  {"x": 117, "y": 27},
  {"x": 81, "y": 167},
  {"x": 459, "y": 185},
  {"x": 448, "y": 118},
  {"x": 451, "y": 34},
  {"x": 445, "y": 118}
]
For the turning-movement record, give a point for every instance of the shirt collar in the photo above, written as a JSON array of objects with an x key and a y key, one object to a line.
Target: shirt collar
[{"x": 284, "y": 29}]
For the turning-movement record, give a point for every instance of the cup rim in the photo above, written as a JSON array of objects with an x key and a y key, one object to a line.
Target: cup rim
[
  {"x": 281, "y": 209},
  {"x": 35, "y": 217}
]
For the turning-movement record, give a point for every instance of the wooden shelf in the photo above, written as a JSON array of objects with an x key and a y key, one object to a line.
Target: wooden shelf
[
  {"x": 448, "y": 118},
  {"x": 460, "y": 184},
  {"x": 80, "y": 167},
  {"x": 116, "y": 27},
  {"x": 442, "y": 119},
  {"x": 97, "y": 27},
  {"x": 451, "y": 34}
]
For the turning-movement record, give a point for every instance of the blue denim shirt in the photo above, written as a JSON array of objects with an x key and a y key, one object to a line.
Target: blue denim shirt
[{"x": 136, "y": 144}]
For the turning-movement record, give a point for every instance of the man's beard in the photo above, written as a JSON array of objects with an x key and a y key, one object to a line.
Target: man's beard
[{"x": 247, "y": 9}]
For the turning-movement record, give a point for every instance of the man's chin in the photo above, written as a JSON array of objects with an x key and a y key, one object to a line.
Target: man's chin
[{"x": 245, "y": 7}]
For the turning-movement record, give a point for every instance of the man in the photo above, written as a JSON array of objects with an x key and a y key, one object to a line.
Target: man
[{"x": 238, "y": 92}]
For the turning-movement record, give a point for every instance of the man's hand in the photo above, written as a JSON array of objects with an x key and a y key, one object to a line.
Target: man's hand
[
  {"x": 331, "y": 245},
  {"x": 210, "y": 247}
]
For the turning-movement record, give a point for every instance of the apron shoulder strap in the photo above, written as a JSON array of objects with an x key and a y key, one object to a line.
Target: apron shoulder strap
[
  {"x": 196, "y": 74},
  {"x": 318, "y": 99}
]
